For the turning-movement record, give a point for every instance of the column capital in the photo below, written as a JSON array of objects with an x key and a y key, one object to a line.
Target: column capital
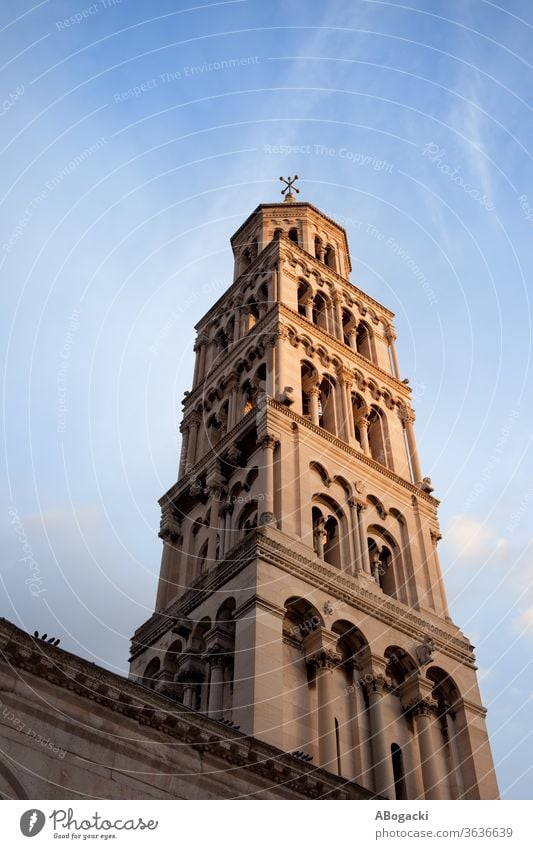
[
  {"x": 345, "y": 375},
  {"x": 435, "y": 535},
  {"x": 234, "y": 455},
  {"x": 421, "y": 707},
  {"x": 192, "y": 420},
  {"x": 406, "y": 414},
  {"x": 376, "y": 683},
  {"x": 216, "y": 658},
  {"x": 281, "y": 332},
  {"x": 325, "y": 658},
  {"x": 268, "y": 441},
  {"x": 227, "y": 508},
  {"x": 232, "y": 381},
  {"x": 390, "y": 333},
  {"x": 170, "y": 527},
  {"x": 190, "y": 669}
]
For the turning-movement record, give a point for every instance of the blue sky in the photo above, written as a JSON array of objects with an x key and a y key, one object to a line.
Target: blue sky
[{"x": 131, "y": 149}]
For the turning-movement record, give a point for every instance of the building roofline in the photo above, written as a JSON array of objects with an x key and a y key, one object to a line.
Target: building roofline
[{"x": 286, "y": 206}]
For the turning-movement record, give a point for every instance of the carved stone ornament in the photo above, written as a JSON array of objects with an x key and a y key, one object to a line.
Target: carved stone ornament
[
  {"x": 268, "y": 518},
  {"x": 424, "y": 652},
  {"x": 324, "y": 659}
]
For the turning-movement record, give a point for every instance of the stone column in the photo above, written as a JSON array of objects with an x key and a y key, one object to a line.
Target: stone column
[
  {"x": 436, "y": 536},
  {"x": 225, "y": 541},
  {"x": 391, "y": 336},
  {"x": 194, "y": 424},
  {"x": 356, "y": 537},
  {"x": 423, "y": 712},
  {"x": 320, "y": 537},
  {"x": 233, "y": 410},
  {"x": 191, "y": 674},
  {"x": 321, "y": 655},
  {"x": 308, "y": 304},
  {"x": 456, "y": 779},
  {"x": 281, "y": 337},
  {"x": 352, "y": 340},
  {"x": 345, "y": 380},
  {"x": 217, "y": 664},
  {"x": 196, "y": 348},
  {"x": 313, "y": 405},
  {"x": 337, "y": 301},
  {"x": 268, "y": 443},
  {"x": 407, "y": 417},
  {"x": 324, "y": 662},
  {"x": 214, "y": 486},
  {"x": 170, "y": 533},
  {"x": 362, "y": 536},
  {"x": 184, "y": 449},
  {"x": 362, "y": 424},
  {"x": 237, "y": 325},
  {"x": 381, "y": 757}
]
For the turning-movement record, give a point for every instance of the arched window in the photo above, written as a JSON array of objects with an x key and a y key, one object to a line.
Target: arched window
[
  {"x": 249, "y": 391},
  {"x": 385, "y": 562},
  {"x": 263, "y": 298},
  {"x": 398, "y": 771},
  {"x": 309, "y": 382},
  {"x": 363, "y": 340},
  {"x": 332, "y": 549},
  {"x": 326, "y": 405},
  {"x": 248, "y": 517},
  {"x": 202, "y": 558},
  {"x": 338, "y": 746},
  {"x": 378, "y": 437},
  {"x": 151, "y": 673},
  {"x": 222, "y": 341},
  {"x": 453, "y": 730},
  {"x": 327, "y": 537},
  {"x": 329, "y": 257},
  {"x": 252, "y": 315},
  {"x": 348, "y": 328},
  {"x": 304, "y": 298},
  {"x": 245, "y": 260},
  {"x": 214, "y": 430},
  {"x": 320, "y": 311},
  {"x": 293, "y": 235},
  {"x": 358, "y": 409}
]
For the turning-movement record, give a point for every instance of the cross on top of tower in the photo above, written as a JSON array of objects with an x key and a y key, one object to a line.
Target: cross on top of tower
[{"x": 290, "y": 187}]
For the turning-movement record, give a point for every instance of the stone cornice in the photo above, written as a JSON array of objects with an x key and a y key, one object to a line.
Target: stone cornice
[
  {"x": 228, "y": 439},
  {"x": 334, "y": 440},
  {"x": 261, "y": 328},
  {"x": 327, "y": 272},
  {"x": 284, "y": 208},
  {"x": 254, "y": 268},
  {"x": 133, "y": 701},
  {"x": 261, "y": 544},
  {"x": 184, "y": 482},
  {"x": 345, "y": 351}
]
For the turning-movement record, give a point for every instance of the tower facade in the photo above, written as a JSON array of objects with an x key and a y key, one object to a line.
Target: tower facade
[{"x": 300, "y": 595}]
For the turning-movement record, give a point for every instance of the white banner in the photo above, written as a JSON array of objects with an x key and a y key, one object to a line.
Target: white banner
[{"x": 202, "y": 824}]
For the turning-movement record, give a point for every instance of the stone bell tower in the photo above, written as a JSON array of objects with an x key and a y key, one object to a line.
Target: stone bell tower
[{"x": 300, "y": 595}]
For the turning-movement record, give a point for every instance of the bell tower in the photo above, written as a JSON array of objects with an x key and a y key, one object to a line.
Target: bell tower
[{"x": 300, "y": 596}]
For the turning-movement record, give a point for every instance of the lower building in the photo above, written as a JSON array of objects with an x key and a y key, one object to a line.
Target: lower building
[{"x": 72, "y": 730}]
